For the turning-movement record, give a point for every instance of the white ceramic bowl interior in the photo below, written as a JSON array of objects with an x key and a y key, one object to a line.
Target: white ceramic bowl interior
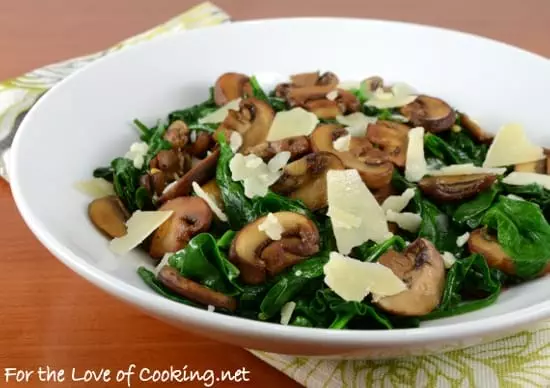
[{"x": 85, "y": 121}]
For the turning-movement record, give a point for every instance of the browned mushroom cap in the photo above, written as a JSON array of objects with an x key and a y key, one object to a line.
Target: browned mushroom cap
[
  {"x": 200, "y": 173},
  {"x": 109, "y": 215},
  {"x": 372, "y": 164},
  {"x": 474, "y": 129},
  {"x": 189, "y": 289},
  {"x": 538, "y": 166},
  {"x": 191, "y": 215},
  {"x": 252, "y": 121},
  {"x": 298, "y": 146},
  {"x": 373, "y": 83},
  {"x": 305, "y": 179},
  {"x": 212, "y": 189},
  {"x": 201, "y": 145},
  {"x": 392, "y": 138},
  {"x": 154, "y": 181},
  {"x": 482, "y": 242},
  {"x": 323, "y": 108},
  {"x": 455, "y": 187},
  {"x": 422, "y": 269},
  {"x": 304, "y": 79},
  {"x": 177, "y": 134},
  {"x": 257, "y": 255},
  {"x": 230, "y": 86},
  {"x": 304, "y": 90},
  {"x": 171, "y": 162},
  {"x": 432, "y": 113}
]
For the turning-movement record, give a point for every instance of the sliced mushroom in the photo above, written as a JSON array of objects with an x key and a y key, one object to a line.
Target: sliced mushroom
[
  {"x": 109, "y": 215},
  {"x": 252, "y": 121},
  {"x": 258, "y": 256},
  {"x": 305, "y": 179},
  {"x": 372, "y": 164},
  {"x": 538, "y": 166},
  {"x": 455, "y": 187},
  {"x": 348, "y": 102},
  {"x": 482, "y": 242},
  {"x": 297, "y": 94},
  {"x": 191, "y": 216},
  {"x": 422, "y": 269},
  {"x": 154, "y": 181},
  {"x": 298, "y": 146},
  {"x": 230, "y": 86},
  {"x": 212, "y": 189},
  {"x": 373, "y": 83},
  {"x": 392, "y": 138},
  {"x": 196, "y": 292},
  {"x": 200, "y": 173},
  {"x": 201, "y": 145},
  {"x": 432, "y": 113},
  {"x": 171, "y": 162},
  {"x": 177, "y": 134},
  {"x": 323, "y": 108},
  {"x": 475, "y": 130},
  {"x": 304, "y": 79}
]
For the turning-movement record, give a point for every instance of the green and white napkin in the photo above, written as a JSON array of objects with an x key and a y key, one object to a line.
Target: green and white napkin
[{"x": 521, "y": 360}]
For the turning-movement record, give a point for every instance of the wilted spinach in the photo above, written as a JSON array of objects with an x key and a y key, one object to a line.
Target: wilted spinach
[
  {"x": 371, "y": 252},
  {"x": 126, "y": 182},
  {"x": 456, "y": 148},
  {"x": 470, "y": 213},
  {"x": 193, "y": 114},
  {"x": 523, "y": 233}
]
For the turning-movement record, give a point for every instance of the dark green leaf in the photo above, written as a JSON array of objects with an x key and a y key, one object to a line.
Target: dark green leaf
[
  {"x": 125, "y": 182},
  {"x": 374, "y": 253},
  {"x": 257, "y": 90},
  {"x": 225, "y": 241},
  {"x": 210, "y": 128},
  {"x": 193, "y": 114},
  {"x": 104, "y": 172},
  {"x": 471, "y": 212}
]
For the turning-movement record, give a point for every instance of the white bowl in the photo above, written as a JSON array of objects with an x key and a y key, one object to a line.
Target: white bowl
[{"x": 85, "y": 121}]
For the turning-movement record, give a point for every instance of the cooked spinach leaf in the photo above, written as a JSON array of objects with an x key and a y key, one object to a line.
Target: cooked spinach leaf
[
  {"x": 193, "y": 114},
  {"x": 471, "y": 212},
  {"x": 523, "y": 233},
  {"x": 371, "y": 252},
  {"x": 126, "y": 182}
]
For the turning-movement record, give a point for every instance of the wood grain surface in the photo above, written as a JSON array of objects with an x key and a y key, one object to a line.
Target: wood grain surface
[{"x": 51, "y": 317}]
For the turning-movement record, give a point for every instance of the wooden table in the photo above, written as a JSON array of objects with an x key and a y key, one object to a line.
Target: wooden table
[{"x": 49, "y": 315}]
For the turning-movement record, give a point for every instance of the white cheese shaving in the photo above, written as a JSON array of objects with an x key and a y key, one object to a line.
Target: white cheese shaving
[
  {"x": 209, "y": 201},
  {"x": 515, "y": 197},
  {"x": 353, "y": 280},
  {"x": 448, "y": 259},
  {"x": 527, "y": 178},
  {"x": 271, "y": 227},
  {"x": 415, "y": 165},
  {"x": 140, "y": 225},
  {"x": 398, "y": 202},
  {"x": 511, "y": 146},
  {"x": 95, "y": 187},
  {"x": 356, "y": 123},
  {"x": 343, "y": 219},
  {"x": 256, "y": 175},
  {"x": 342, "y": 143},
  {"x": 137, "y": 154},
  {"x": 400, "y": 95},
  {"x": 163, "y": 262},
  {"x": 348, "y": 85},
  {"x": 219, "y": 115},
  {"x": 294, "y": 122},
  {"x": 279, "y": 161},
  {"x": 332, "y": 95},
  {"x": 193, "y": 136},
  {"x": 466, "y": 169},
  {"x": 235, "y": 141},
  {"x": 286, "y": 312},
  {"x": 346, "y": 193},
  {"x": 462, "y": 239},
  {"x": 169, "y": 186},
  {"x": 406, "y": 221},
  {"x": 210, "y": 308}
]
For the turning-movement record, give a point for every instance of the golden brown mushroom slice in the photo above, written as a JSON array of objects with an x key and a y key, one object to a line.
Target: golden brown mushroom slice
[
  {"x": 305, "y": 179},
  {"x": 538, "y": 166},
  {"x": 373, "y": 83},
  {"x": 258, "y": 256},
  {"x": 177, "y": 134},
  {"x": 154, "y": 181},
  {"x": 392, "y": 138},
  {"x": 202, "y": 144},
  {"x": 343, "y": 103},
  {"x": 372, "y": 164},
  {"x": 296, "y": 94},
  {"x": 422, "y": 269},
  {"x": 482, "y": 242},
  {"x": 109, "y": 215},
  {"x": 474, "y": 129},
  {"x": 455, "y": 187},
  {"x": 230, "y": 86},
  {"x": 298, "y": 146},
  {"x": 191, "y": 216},
  {"x": 252, "y": 121},
  {"x": 194, "y": 291},
  {"x": 432, "y": 113},
  {"x": 200, "y": 173},
  {"x": 213, "y": 190}
]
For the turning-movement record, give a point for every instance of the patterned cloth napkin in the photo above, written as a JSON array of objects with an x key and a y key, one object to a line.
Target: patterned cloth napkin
[{"x": 520, "y": 360}]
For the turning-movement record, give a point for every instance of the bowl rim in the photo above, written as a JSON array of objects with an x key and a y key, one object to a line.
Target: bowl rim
[{"x": 151, "y": 302}]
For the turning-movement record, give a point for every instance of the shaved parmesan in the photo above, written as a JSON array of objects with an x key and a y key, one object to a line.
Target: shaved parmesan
[
  {"x": 294, "y": 122},
  {"x": 353, "y": 280},
  {"x": 400, "y": 95},
  {"x": 332, "y": 95},
  {"x": 527, "y": 178},
  {"x": 462, "y": 239},
  {"x": 398, "y": 202},
  {"x": 279, "y": 161},
  {"x": 406, "y": 221},
  {"x": 348, "y": 85},
  {"x": 162, "y": 263},
  {"x": 209, "y": 201},
  {"x": 219, "y": 115},
  {"x": 466, "y": 169},
  {"x": 286, "y": 312},
  {"x": 511, "y": 146},
  {"x": 271, "y": 227},
  {"x": 415, "y": 165},
  {"x": 211, "y": 308},
  {"x": 448, "y": 259},
  {"x": 235, "y": 141},
  {"x": 137, "y": 154},
  {"x": 256, "y": 175},
  {"x": 140, "y": 225},
  {"x": 342, "y": 143},
  {"x": 347, "y": 194},
  {"x": 95, "y": 187},
  {"x": 356, "y": 123}
]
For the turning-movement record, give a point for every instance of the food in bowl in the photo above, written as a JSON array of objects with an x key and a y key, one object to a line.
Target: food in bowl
[{"x": 343, "y": 205}]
